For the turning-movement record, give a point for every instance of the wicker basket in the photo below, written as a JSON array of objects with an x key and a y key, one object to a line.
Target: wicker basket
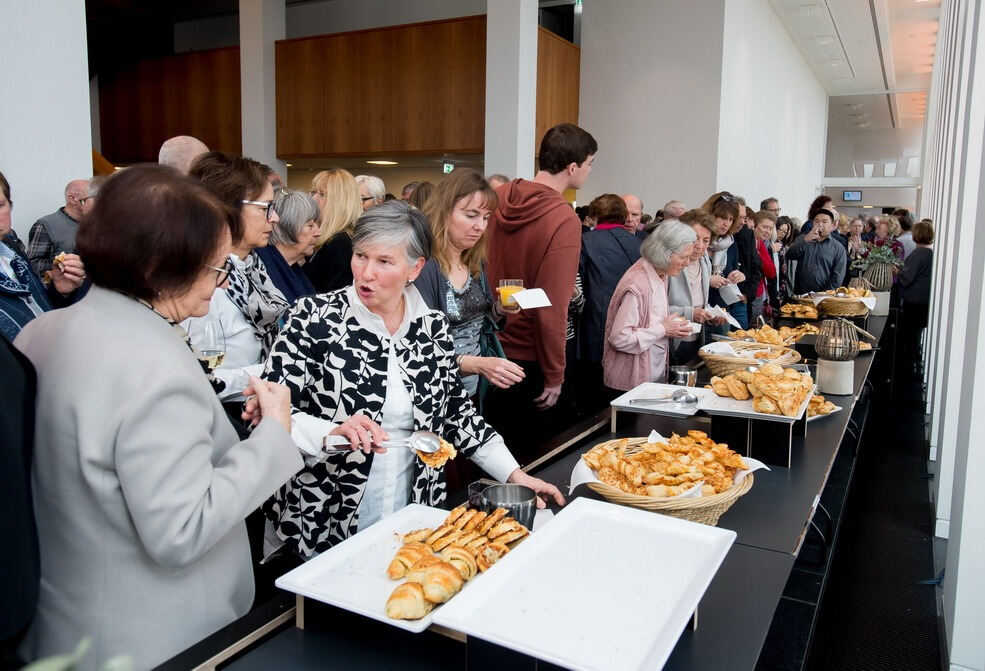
[
  {"x": 705, "y": 509},
  {"x": 723, "y": 364},
  {"x": 843, "y": 307}
]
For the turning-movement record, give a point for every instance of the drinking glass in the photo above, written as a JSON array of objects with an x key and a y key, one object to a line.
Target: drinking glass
[
  {"x": 209, "y": 339},
  {"x": 506, "y": 290}
]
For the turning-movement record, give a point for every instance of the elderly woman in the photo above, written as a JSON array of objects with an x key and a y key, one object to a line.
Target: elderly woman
[
  {"x": 372, "y": 191},
  {"x": 687, "y": 292},
  {"x": 373, "y": 362},
  {"x": 337, "y": 196},
  {"x": 291, "y": 242},
  {"x": 22, "y": 295},
  {"x": 639, "y": 324},
  {"x": 140, "y": 483},
  {"x": 250, "y": 308},
  {"x": 887, "y": 232},
  {"x": 454, "y": 282}
]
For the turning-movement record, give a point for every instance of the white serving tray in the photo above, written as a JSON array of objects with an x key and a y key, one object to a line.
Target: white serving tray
[
  {"x": 722, "y": 405},
  {"x": 352, "y": 575},
  {"x": 656, "y": 390},
  {"x": 836, "y": 410},
  {"x": 601, "y": 587}
]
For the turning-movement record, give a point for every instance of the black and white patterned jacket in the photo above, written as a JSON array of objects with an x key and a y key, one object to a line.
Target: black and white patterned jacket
[{"x": 335, "y": 368}]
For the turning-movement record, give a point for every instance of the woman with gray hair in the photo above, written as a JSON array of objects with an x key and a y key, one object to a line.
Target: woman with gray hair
[
  {"x": 291, "y": 242},
  {"x": 371, "y": 362},
  {"x": 639, "y": 325},
  {"x": 372, "y": 191}
]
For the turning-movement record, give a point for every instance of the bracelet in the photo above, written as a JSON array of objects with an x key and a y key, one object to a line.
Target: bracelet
[{"x": 458, "y": 360}]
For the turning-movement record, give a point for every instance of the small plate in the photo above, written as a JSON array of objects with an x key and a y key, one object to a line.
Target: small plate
[
  {"x": 835, "y": 411},
  {"x": 657, "y": 390}
]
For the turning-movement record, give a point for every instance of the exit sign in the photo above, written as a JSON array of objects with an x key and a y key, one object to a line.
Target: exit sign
[{"x": 449, "y": 167}]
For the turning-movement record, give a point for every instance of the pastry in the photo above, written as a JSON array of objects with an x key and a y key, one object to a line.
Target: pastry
[
  {"x": 446, "y": 540},
  {"x": 407, "y": 602},
  {"x": 476, "y": 520},
  {"x": 441, "y": 582},
  {"x": 416, "y": 572},
  {"x": 440, "y": 458},
  {"x": 406, "y": 557},
  {"x": 439, "y": 533},
  {"x": 462, "y": 560},
  {"x": 489, "y": 554},
  {"x": 511, "y": 536},
  {"x": 464, "y": 518},
  {"x": 493, "y": 519},
  {"x": 455, "y": 514},
  {"x": 416, "y": 535},
  {"x": 505, "y": 526}
]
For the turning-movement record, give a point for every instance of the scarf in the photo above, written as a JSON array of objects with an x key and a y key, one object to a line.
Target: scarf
[{"x": 262, "y": 303}]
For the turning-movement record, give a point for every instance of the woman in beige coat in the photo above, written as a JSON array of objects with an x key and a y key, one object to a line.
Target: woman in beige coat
[{"x": 140, "y": 482}]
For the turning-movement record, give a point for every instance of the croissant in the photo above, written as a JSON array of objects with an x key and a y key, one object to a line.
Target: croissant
[
  {"x": 462, "y": 560},
  {"x": 407, "y": 602},
  {"x": 489, "y": 554},
  {"x": 416, "y": 572},
  {"x": 442, "y": 581},
  {"x": 406, "y": 556}
]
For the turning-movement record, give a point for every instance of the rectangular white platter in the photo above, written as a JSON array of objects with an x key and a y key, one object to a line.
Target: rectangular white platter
[
  {"x": 352, "y": 575},
  {"x": 721, "y": 405},
  {"x": 657, "y": 390},
  {"x": 601, "y": 587}
]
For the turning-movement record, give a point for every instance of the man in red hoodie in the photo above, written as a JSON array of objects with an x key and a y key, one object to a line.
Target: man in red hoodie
[{"x": 535, "y": 236}]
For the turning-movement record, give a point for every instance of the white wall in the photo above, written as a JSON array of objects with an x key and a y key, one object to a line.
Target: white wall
[
  {"x": 774, "y": 147},
  {"x": 45, "y": 134},
  {"x": 650, "y": 94}
]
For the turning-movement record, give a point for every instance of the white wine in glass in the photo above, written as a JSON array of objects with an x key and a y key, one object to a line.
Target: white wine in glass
[{"x": 209, "y": 339}]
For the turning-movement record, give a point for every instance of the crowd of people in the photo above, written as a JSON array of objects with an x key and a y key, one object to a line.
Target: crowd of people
[{"x": 146, "y": 443}]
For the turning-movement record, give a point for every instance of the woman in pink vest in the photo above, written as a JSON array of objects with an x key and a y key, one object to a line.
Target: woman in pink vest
[{"x": 639, "y": 326}]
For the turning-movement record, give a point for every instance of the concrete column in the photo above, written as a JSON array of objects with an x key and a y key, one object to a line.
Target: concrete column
[
  {"x": 45, "y": 135},
  {"x": 511, "y": 87},
  {"x": 261, "y": 23}
]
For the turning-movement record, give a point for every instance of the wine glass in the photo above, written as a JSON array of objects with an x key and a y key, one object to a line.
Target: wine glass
[{"x": 207, "y": 336}]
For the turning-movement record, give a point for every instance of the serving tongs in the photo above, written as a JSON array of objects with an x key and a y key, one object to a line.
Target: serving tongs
[
  {"x": 425, "y": 442},
  {"x": 682, "y": 396}
]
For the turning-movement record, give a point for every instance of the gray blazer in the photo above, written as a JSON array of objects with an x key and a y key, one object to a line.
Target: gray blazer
[{"x": 141, "y": 486}]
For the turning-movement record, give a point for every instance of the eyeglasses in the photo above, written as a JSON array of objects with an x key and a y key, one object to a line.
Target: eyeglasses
[
  {"x": 82, "y": 201},
  {"x": 267, "y": 205},
  {"x": 222, "y": 273},
  {"x": 365, "y": 198},
  {"x": 774, "y": 210},
  {"x": 315, "y": 193}
]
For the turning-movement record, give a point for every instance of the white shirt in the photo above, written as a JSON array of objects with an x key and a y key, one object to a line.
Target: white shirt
[
  {"x": 906, "y": 239},
  {"x": 242, "y": 345}
]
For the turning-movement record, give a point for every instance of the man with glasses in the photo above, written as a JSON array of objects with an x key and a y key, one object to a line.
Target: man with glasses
[
  {"x": 771, "y": 205},
  {"x": 55, "y": 233}
]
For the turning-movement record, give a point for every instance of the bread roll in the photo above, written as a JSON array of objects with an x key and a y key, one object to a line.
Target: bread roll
[
  {"x": 462, "y": 560},
  {"x": 407, "y": 602}
]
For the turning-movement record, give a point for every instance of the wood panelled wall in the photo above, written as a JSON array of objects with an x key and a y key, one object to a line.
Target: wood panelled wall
[
  {"x": 558, "y": 72},
  {"x": 188, "y": 94},
  {"x": 413, "y": 89}
]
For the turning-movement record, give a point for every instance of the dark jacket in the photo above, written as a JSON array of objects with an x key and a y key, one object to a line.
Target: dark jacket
[
  {"x": 606, "y": 255},
  {"x": 915, "y": 276},
  {"x": 820, "y": 265},
  {"x": 14, "y": 312},
  {"x": 331, "y": 266},
  {"x": 291, "y": 280},
  {"x": 748, "y": 262},
  {"x": 20, "y": 566}
]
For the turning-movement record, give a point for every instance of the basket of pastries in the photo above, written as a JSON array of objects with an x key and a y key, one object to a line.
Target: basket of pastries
[
  {"x": 799, "y": 309},
  {"x": 651, "y": 476},
  {"x": 785, "y": 335},
  {"x": 844, "y": 302},
  {"x": 434, "y": 564},
  {"x": 746, "y": 354},
  {"x": 774, "y": 390}
]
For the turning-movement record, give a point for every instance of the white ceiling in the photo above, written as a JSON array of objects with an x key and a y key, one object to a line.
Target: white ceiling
[{"x": 877, "y": 54}]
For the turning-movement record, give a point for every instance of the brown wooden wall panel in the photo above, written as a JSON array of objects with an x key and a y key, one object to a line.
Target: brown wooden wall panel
[
  {"x": 188, "y": 94},
  {"x": 558, "y": 70},
  {"x": 413, "y": 89}
]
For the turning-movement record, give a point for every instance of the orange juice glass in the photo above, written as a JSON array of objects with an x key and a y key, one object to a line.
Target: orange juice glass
[{"x": 506, "y": 290}]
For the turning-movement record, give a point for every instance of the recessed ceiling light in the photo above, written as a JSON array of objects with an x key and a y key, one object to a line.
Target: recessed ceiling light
[
  {"x": 836, "y": 62},
  {"x": 382, "y": 162},
  {"x": 824, "y": 40},
  {"x": 289, "y": 165}
]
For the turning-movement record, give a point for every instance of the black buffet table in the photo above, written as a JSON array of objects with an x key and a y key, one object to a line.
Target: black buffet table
[{"x": 735, "y": 614}]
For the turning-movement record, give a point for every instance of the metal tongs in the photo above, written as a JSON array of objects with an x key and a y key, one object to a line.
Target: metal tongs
[
  {"x": 859, "y": 329},
  {"x": 425, "y": 442},
  {"x": 679, "y": 396}
]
